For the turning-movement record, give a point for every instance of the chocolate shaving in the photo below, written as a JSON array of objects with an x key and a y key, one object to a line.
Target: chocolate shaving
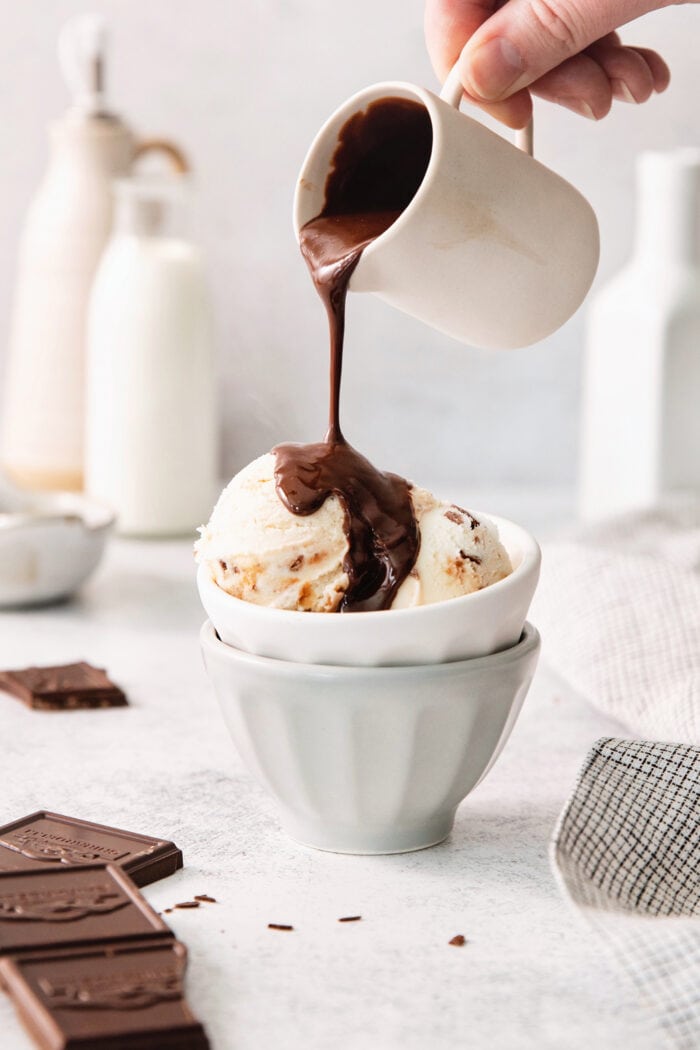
[
  {"x": 278, "y": 926},
  {"x": 205, "y": 897},
  {"x": 188, "y": 904},
  {"x": 458, "y": 940},
  {"x": 350, "y": 918}
]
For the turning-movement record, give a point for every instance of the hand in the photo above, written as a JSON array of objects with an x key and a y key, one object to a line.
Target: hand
[{"x": 566, "y": 51}]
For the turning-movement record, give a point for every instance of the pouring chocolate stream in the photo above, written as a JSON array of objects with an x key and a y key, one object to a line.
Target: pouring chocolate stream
[{"x": 379, "y": 163}]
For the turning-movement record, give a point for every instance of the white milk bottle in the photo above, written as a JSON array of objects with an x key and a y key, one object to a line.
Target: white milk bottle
[{"x": 151, "y": 397}]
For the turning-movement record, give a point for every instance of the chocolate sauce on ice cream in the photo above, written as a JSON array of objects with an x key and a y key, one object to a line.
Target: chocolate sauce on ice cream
[{"x": 378, "y": 165}]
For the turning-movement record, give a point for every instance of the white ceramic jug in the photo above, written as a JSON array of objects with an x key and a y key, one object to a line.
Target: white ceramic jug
[
  {"x": 64, "y": 234},
  {"x": 495, "y": 249}
]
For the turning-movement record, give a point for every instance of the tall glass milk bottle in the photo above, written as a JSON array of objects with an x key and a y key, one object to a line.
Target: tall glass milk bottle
[
  {"x": 641, "y": 414},
  {"x": 66, "y": 229},
  {"x": 151, "y": 438}
]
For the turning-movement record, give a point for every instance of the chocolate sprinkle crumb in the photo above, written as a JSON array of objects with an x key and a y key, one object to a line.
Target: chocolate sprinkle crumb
[
  {"x": 350, "y": 918},
  {"x": 470, "y": 557},
  {"x": 297, "y": 563},
  {"x": 473, "y": 522},
  {"x": 452, "y": 515},
  {"x": 458, "y": 940},
  {"x": 278, "y": 926},
  {"x": 205, "y": 897},
  {"x": 188, "y": 904}
]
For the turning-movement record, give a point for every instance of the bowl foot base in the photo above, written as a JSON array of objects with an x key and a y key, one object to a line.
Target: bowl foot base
[{"x": 369, "y": 841}]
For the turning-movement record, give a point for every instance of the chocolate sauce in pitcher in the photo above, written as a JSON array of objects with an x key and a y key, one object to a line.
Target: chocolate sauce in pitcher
[{"x": 378, "y": 165}]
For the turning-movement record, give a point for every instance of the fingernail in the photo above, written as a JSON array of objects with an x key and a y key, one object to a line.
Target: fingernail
[
  {"x": 621, "y": 92},
  {"x": 577, "y": 106},
  {"x": 492, "y": 68}
]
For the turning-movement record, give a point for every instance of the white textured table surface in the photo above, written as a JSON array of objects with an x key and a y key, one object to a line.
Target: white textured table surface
[{"x": 529, "y": 977}]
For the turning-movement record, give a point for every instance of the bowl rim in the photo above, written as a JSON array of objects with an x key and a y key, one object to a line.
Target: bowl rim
[
  {"x": 530, "y": 562},
  {"x": 211, "y": 643},
  {"x": 59, "y": 509}
]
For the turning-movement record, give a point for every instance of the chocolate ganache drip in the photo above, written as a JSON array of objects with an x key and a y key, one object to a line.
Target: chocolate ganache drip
[{"x": 379, "y": 163}]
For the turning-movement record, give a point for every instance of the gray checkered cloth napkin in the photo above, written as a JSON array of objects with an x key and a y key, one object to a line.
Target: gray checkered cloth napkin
[
  {"x": 626, "y": 852},
  {"x": 618, "y": 607}
]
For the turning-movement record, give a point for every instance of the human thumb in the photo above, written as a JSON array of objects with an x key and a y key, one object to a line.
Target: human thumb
[{"x": 524, "y": 39}]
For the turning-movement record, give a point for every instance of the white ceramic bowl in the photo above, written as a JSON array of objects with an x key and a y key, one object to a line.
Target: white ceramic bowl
[
  {"x": 369, "y": 759},
  {"x": 49, "y": 545},
  {"x": 477, "y": 624}
]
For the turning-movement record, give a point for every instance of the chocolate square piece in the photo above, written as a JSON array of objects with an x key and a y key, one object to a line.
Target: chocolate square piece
[
  {"x": 63, "y": 688},
  {"x": 51, "y": 840},
  {"x": 66, "y": 907},
  {"x": 126, "y": 998}
]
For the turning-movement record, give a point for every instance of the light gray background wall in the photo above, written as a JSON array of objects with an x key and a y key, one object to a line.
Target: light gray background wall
[{"x": 245, "y": 86}]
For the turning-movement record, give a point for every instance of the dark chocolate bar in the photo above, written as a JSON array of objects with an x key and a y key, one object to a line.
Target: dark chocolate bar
[
  {"x": 129, "y": 997},
  {"x": 51, "y": 840},
  {"x": 65, "y": 688},
  {"x": 64, "y": 907}
]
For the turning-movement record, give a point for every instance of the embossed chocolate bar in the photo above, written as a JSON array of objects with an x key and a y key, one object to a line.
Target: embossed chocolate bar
[
  {"x": 65, "y": 907},
  {"x": 129, "y": 997},
  {"x": 51, "y": 840},
  {"x": 64, "y": 688}
]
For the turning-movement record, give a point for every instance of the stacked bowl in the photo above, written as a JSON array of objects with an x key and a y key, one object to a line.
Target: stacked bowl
[{"x": 370, "y": 728}]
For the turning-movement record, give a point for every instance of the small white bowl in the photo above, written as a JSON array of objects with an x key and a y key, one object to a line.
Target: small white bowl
[
  {"x": 49, "y": 544},
  {"x": 477, "y": 624},
  {"x": 369, "y": 759}
]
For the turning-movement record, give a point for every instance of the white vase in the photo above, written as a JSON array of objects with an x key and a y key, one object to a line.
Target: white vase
[{"x": 641, "y": 412}]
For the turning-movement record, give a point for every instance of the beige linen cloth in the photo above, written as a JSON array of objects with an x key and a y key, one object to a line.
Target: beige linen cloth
[
  {"x": 618, "y": 607},
  {"x": 619, "y": 612}
]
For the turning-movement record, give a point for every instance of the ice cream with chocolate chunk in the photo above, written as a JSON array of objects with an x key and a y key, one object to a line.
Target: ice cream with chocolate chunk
[
  {"x": 458, "y": 553},
  {"x": 259, "y": 551}
]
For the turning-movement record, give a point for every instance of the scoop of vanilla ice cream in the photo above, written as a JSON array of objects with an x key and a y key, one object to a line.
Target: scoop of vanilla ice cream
[
  {"x": 257, "y": 550},
  {"x": 458, "y": 554}
]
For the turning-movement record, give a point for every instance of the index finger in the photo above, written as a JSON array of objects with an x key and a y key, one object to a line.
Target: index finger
[{"x": 449, "y": 24}]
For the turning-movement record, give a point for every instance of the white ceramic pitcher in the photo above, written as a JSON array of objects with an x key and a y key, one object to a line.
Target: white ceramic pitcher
[{"x": 495, "y": 249}]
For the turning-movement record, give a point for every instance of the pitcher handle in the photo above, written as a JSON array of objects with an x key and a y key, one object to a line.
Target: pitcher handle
[
  {"x": 452, "y": 92},
  {"x": 171, "y": 150}
]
